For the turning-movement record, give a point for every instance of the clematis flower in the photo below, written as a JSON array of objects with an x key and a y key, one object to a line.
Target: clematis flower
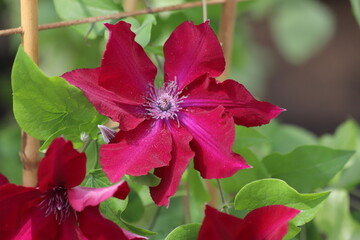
[
  {"x": 58, "y": 208},
  {"x": 192, "y": 115},
  {"x": 265, "y": 223}
]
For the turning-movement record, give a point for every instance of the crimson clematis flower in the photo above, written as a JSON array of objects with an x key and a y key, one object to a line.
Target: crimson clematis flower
[
  {"x": 58, "y": 208},
  {"x": 192, "y": 115},
  {"x": 265, "y": 223}
]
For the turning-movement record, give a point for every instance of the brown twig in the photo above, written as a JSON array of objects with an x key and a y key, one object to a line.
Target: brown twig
[
  {"x": 29, "y": 155},
  {"x": 114, "y": 16}
]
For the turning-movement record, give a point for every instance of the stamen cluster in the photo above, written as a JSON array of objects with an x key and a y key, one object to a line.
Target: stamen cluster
[
  {"x": 56, "y": 201},
  {"x": 164, "y": 102}
]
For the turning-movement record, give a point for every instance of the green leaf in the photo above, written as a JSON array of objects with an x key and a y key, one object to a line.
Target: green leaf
[
  {"x": 301, "y": 28},
  {"x": 148, "y": 180},
  {"x": 245, "y": 176},
  {"x": 196, "y": 185},
  {"x": 267, "y": 192},
  {"x": 47, "y": 107},
  {"x": 334, "y": 218},
  {"x": 76, "y": 9},
  {"x": 96, "y": 178},
  {"x": 285, "y": 137},
  {"x": 345, "y": 136},
  {"x": 246, "y": 137},
  {"x": 187, "y": 231},
  {"x": 142, "y": 29},
  {"x": 135, "y": 210},
  {"x": 307, "y": 167},
  {"x": 112, "y": 208},
  {"x": 355, "y": 5}
]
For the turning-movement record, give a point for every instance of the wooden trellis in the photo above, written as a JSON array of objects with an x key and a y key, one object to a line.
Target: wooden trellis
[{"x": 29, "y": 29}]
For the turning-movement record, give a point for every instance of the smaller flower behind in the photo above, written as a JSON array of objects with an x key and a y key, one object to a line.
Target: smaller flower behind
[
  {"x": 265, "y": 223},
  {"x": 58, "y": 208}
]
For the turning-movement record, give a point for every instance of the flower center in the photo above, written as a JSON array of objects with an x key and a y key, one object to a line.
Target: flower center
[
  {"x": 56, "y": 201},
  {"x": 164, "y": 102}
]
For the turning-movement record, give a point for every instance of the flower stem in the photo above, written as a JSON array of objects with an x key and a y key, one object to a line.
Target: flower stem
[
  {"x": 154, "y": 220},
  {"x": 87, "y": 143},
  {"x": 97, "y": 155},
  {"x": 225, "y": 205}
]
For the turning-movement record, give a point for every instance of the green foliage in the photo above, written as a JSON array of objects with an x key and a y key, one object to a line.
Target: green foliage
[
  {"x": 113, "y": 208},
  {"x": 48, "y": 107},
  {"x": 149, "y": 180},
  {"x": 76, "y": 9},
  {"x": 245, "y": 176},
  {"x": 142, "y": 28},
  {"x": 307, "y": 167},
  {"x": 187, "y": 231},
  {"x": 355, "y": 4},
  {"x": 246, "y": 137},
  {"x": 334, "y": 218},
  {"x": 10, "y": 165},
  {"x": 196, "y": 186},
  {"x": 301, "y": 28},
  {"x": 284, "y": 138},
  {"x": 277, "y": 192}
]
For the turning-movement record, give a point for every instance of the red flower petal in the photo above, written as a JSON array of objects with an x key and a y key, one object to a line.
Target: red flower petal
[
  {"x": 171, "y": 175},
  {"x": 81, "y": 197},
  {"x": 267, "y": 223},
  {"x": 61, "y": 166},
  {"x": 127, "y": 112},
  {"x": 69, "y": 229},
  {"x": 126, "y": 69},
  {"x": 38, "y": 226},
  {"x": 3, "y": 180},
  {"x": 214, "y": 134},
  {"x": 247, "y": 111},
  {"x": 15, "y": 202},
  {"x": 137, "y": 151},
  {"x": 95, "y": 226},
  {"x": 192, "y": 51},
  {"x": 217, "y": 225}
]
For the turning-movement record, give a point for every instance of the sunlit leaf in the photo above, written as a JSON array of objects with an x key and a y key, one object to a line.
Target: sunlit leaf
[
  {"x": 48, "y": 107},
  {"x": 76, "y": 9},
  {"x": 187, "y": 231}
]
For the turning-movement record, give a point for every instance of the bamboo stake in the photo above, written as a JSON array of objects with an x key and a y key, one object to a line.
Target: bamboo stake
[
  {"x": 129, "y": 5},
  {"x": 227, "y": 27},
  {"x": 29, "y": 154},
  {"x": 17, "y": 30}
]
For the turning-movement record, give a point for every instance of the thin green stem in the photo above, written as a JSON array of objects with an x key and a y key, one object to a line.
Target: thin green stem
[
  {"x": 224, "y": 203},
  {"x": 97, "y": 155},
  {"x": 87, "y": 143},
  {"x": 156, "y": 217}
]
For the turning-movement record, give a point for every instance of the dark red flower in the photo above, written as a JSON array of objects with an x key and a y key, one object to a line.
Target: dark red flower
[
  {"x": 265, "y": 223},
  {"x": 58, "y": 208},
  {"x": 193, "y": 115}
]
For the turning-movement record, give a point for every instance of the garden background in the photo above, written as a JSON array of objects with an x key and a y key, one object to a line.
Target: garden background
[{"x": 302, "y": 55}]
